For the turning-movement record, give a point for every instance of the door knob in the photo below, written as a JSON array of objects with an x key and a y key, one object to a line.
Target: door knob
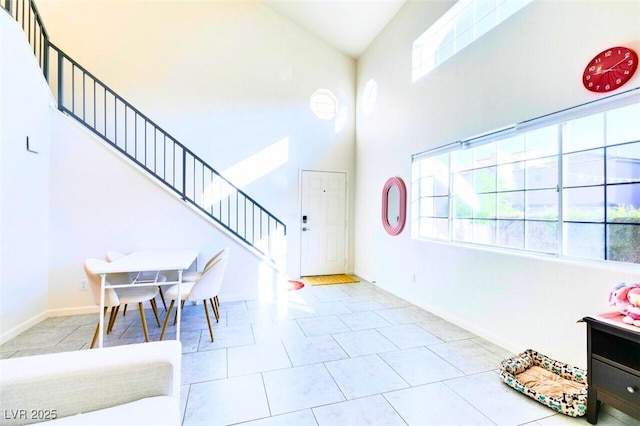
[{"x": 306, "y": 229}]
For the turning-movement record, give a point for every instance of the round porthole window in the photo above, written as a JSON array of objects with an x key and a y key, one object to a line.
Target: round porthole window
[{"x": 324, "y": 104}]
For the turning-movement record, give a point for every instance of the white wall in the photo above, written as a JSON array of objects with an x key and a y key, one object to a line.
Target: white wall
[
  {"x": 226, "y": 78},
  {"x": 529, "y": 66},
  {"x": 24, "y": 188},
  {"x": 231, "y": 78},
  {"x": 100, "y": 202}
]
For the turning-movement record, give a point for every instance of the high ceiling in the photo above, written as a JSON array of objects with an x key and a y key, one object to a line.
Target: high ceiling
[{"x": 348, "y": 25}]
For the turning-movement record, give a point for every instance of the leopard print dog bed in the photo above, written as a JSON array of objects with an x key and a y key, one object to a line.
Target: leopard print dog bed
[{"x": 552, "y": 383}]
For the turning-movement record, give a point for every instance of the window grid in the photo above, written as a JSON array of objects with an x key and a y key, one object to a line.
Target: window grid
[
  {"x": 460, "y": 26},
  {"x": 523, "y": 190},
  {"x": 324, "y": 104}
]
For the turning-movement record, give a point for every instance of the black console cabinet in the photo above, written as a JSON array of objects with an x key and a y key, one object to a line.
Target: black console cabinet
[{"x": 613, "y": 364}]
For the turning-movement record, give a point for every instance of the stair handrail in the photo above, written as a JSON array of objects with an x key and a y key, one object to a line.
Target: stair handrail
[
  {"x": 26, "y": 13},
  {"x": 28, "y": 17}
]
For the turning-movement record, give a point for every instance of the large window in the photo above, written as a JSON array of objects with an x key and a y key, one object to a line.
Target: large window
[
  {"x": 464, "y": 22},
  {"x": 557, "y": 185}
]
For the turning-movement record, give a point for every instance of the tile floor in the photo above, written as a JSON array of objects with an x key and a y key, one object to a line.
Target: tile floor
[{"x": 326, "y": 355}]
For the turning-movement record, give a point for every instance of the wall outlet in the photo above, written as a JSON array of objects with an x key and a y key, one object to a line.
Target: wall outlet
[{"x": 84, "y": 285}]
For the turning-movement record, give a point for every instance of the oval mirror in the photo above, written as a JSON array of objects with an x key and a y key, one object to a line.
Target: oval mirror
[{"x": 394, "y": 205}]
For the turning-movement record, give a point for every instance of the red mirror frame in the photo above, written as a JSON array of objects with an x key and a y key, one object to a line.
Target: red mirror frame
[{"x": 402, "y": 208}]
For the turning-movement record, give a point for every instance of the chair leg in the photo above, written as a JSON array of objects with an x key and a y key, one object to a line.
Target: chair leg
[
  {"x": 206, "y": 312},
  {"x": 154, "y": 306},
  {"x": 124, "y": 312},
  {"x": 144, "y": 322},
  {"x": 112, "y": 318},
  {"x": 175, "y": 320},
  {"x": 215, "y": 299},
  {"x": 95, "y": 336},
  {"x": 162, "y": 297},
  {"x": 216, "y": 312},
  {"x": 95, "y": 333},
  {"x": 166, "y": 319}
]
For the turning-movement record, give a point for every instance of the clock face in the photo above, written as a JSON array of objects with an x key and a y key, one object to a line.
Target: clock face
[{"x": 610, "y": 69}]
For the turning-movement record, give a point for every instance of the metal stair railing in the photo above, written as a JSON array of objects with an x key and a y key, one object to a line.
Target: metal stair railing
[
  {"x": 28, "y": 17},
  {"x": 109, "y": 116}
]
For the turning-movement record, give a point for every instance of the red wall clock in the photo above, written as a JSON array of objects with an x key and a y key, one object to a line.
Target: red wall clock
[{"x": 610, "y": 69}]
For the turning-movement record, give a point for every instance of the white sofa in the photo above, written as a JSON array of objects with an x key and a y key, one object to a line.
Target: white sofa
[{"x": 133, "y": 384}]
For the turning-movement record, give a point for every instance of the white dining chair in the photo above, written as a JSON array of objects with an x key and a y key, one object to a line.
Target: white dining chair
[
  {"x": 112, "y": 255},
  {"x": 195, "y": 275},
  {"x": 142, "y": 276},
  {"x": 115, "y": 297},
  {"x": 205, "y": 288},
  {"x": 191, "y": 276}
]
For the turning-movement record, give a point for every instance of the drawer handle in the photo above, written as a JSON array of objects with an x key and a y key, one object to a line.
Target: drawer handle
[{"x": 631, "y": 389}]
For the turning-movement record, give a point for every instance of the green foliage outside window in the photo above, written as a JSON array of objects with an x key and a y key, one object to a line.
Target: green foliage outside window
[{"x": 506, "y": 192}]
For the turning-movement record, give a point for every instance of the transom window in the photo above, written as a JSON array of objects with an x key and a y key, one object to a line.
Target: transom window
[
  {"x": 557, "y": 185},
  {"x": 463, "y": 23}
]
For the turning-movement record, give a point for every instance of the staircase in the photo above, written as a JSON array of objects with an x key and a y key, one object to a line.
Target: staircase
[{"x": 109, "y": 116}]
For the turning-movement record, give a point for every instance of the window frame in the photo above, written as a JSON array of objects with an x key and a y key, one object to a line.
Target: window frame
[
  {"x": 421, "y": 201},
  {"x": 431, "y": 49}
]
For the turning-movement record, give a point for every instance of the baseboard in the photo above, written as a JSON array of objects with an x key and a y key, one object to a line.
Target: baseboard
[
  {"x": 469, "y": 326},
  {"x": 62, "y": 312},
  {"x": 21, "y": 328},
  {"x": 235, "y": 297},
  {"x": 80, "y": 310}
]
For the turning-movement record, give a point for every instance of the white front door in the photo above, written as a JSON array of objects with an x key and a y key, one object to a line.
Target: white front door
[{"x": 323, "y": 223}]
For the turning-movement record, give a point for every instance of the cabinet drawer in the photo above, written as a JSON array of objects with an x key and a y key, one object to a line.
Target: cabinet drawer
[{"x": 616, "y": 382}]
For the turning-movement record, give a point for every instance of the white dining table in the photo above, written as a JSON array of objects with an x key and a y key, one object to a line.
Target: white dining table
[{"x": 155, "y": 260}]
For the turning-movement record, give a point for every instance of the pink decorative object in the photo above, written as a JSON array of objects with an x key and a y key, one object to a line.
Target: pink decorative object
[
  {"x": 625, "y": 297},
  {"x": 394, "y": 205}
]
